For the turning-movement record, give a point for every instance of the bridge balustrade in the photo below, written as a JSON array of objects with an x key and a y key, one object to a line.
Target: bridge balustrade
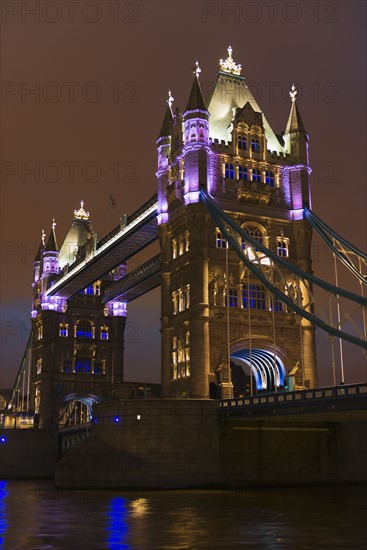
[{"x": 321, "y": 394}]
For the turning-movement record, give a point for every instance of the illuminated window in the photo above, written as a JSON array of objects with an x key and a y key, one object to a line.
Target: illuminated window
[
  {"x": 253, "y": 296},
  {"x": 84, "y": 329},
  {"x": 282, "y": 247},
  {"x": 220, "y": 240},
  {"x": 201, "y": 133},
  {"x": 181, "y": 356},
  {"x": 174, "y": 357},
  {"x": 232, "y": 298},
  {"x": 187, "y": 296},
  {"x": 83, "y": 364},
  {"x": 229, "y": 171},
  {"x": 97, "y": 289},
  {"x": 242, "y": 141},
  {"x": 175, "y": 302},
  {"x": 269, "y": 178},
  {"x": 174, "y": 248},
  {"x": 89, "y": 290},
  {"x": 181, "y": 299},
  {"x": 256, "y": 174},
  {"x": 187, "y": 353},
  {"x": 254, "y": 232},
  {"x": 180, "y": 246},
  {"x": 98, "y": 367},
  {"x": 255, "y": 145},
  {"x": 64, "y": 329},
  {"x": 39, "y": 332},
  {"x": 68, "y": 365},
  {"x": 242, "y": 173},
  {"x": 187, "y": 241},
  {"x": 104, "y": 333},
  {"x": 279, "y": 306},
  {"x": 39, "y": 366}
]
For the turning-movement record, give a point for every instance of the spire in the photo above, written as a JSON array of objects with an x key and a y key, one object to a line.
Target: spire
[
  {"x": 51, "y": 245},
  {"x": 196, "y": 101},
  {"x": 295, "y": 123}
]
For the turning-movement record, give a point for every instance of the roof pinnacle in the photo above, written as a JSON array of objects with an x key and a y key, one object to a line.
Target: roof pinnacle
[
  {"x": 229, "y": 66},
  {"x": 81, "y": 214},
  {"x": 197, "y": 70},
  {"x": 293, "y": 93},
  {"x": 170, "y": 100}
]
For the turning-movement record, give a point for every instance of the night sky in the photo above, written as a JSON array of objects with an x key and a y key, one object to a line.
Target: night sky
[{"x": 102, "y": 71}]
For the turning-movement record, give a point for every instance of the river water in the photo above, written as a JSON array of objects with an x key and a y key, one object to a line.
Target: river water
[{"x": 33, "y": 515}]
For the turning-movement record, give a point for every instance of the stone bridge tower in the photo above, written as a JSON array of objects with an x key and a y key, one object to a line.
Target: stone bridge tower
[
  {"x": 77, "y": 348},
  {"x": 262, "y": 180}
]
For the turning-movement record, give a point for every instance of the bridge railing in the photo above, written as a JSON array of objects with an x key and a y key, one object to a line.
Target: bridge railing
[{"x": 295, "y": 396}]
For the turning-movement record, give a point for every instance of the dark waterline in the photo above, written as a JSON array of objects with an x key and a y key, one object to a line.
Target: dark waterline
[{"x": 34, "y": 516}]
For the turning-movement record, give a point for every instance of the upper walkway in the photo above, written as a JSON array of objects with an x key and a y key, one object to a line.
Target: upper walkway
[{"x": 123, "y": 242}]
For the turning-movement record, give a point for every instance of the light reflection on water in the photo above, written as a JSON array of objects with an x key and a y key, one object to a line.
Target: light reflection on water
[{"x": 34, "y": 516}]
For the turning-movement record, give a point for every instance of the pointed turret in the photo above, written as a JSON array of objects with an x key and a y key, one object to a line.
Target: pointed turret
[
  {"x": 50, "y": 254},
  {"x": 295, "y": 123},
  {"x": 196, "y": 141},
  {"x": 51, "y": 245},
  {"x": 38, "y": 258},
  {"x": 296, "y": 143},
  {"x": 166, "y": 124},
  {"x": 195, "y": 102},
  {"x": 164, "y": 151},
  {"x": 295, "y": 136}
]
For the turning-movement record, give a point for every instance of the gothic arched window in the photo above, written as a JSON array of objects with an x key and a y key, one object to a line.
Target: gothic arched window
[
  {"x": 242, "y": 141},
  {"x": 84, "y": 329},
  {"x": 232, "y": 298},
  {"x": 253, "y": 296},
  {"x": 83, "y": 363},
  {"x": 256, "y": 174},
  {"x": 220, "y": 241},
  {"x": 255, "y": 145},
  {"x": 269, "y": 178},
  {"x": 255, "y": 232},
  {"x": 242, "y": 173},
  {"x": 282, "y": 247},
  {"x": 229, "y": 171}
]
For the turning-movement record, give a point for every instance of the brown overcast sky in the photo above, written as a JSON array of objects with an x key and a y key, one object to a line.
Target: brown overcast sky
[{"x": 130, "y": 54}]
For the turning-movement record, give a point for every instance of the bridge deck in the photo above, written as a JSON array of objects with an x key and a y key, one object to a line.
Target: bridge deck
[{"x": 143, "y": 279}]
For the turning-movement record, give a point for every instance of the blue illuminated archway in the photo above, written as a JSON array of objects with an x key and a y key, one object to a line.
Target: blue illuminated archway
[{"x": 267, "y": 367}]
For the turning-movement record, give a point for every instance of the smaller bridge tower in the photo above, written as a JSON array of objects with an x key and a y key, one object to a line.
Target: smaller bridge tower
[{"x": 77, "y": 348}]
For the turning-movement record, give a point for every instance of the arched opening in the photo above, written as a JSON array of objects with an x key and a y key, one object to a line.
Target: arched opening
[
  {"x": 76, "y": 410},
  {"x": 264, "y": 366}
]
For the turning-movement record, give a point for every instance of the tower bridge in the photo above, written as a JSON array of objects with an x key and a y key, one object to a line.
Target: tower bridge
[{"x": 238, "y": 313}]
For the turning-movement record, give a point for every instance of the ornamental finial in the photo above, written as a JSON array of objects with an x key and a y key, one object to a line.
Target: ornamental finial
[
  {"x": 197, "y": 70},
  {"x": 81, "y": 214},
  {"x": 293, "y": 93},
  {"x": 53, "y": 224},
  {"x": 170, "y": 100},
  {"x": 229, "y": 66},
  {"x": 43, "y": 237}
]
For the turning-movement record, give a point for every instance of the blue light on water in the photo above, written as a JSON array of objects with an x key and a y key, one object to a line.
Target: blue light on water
[
  {"x": 3, "y": 522},
  {"x": 118, "y": 527}
]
